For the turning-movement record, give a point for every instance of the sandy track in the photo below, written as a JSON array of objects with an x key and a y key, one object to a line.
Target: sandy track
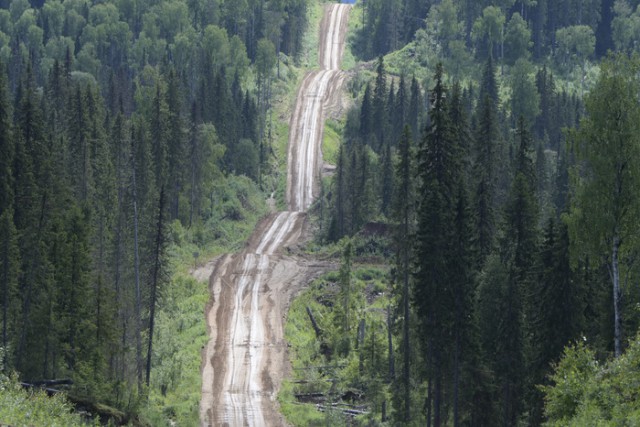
[{"x": 246, "y": 356}]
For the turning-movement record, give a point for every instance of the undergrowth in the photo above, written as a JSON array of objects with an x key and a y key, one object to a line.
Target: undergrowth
[
  {"x": 21, "y": 407},
  {"x": 175, "y": 388},
  {"x": 346, "y": 365}
]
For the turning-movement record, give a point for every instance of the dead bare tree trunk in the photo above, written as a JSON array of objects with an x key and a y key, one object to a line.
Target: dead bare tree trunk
[
  {"x": 157, "y": 265},
  {"x": 406, "y": 346},
  {"x": 617, "y": 297},
  {"x": 392, "y": 367},
  {"x": 316, "y": 328},
  {"x": 5, "y": 291}
]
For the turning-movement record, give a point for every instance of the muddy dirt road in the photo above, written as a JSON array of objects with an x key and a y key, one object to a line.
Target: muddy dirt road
[{"x": 246, "y": 357}]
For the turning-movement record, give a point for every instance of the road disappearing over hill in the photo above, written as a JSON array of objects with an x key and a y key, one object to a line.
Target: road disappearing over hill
[{"x": 246, "y": 356}]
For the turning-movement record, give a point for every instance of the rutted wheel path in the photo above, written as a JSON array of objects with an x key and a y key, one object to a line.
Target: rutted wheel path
[{"x": 246, "y": 356}]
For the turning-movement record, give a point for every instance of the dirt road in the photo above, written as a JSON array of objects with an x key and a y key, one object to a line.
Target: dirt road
[{"x": 246, "y": 357}]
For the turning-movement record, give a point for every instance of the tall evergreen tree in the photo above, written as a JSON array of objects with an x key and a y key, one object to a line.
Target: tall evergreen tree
[
  {"x": 486, "y": 180},
  {"x": 414, "y": 112},
  {"x": 439, "y": 174},
  {"x": 379, "y": 106},
  {"x": 7, "y": 147},
  {"x": 366, "y": 115},
  {"x": 387, "y": 183},
  {"x": 556, "y": 307},
  {"x": 158, "y": 123},
  {"x": 404, "y": 216},
  {"x": 399, "y": 116},
  {"x": 176, "y": 144},
  {"x": 519, "y": 248}
]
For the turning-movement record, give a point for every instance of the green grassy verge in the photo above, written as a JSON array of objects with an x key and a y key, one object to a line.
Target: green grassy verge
[
  {"x": 174, "y": 393},
  {"x": 310, "y": 43},
  {"x": 349, "y": 60},
  {"x": 331, "y": 141}
]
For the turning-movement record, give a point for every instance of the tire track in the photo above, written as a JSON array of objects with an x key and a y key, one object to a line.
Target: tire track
[{"x": 245, "y": 358}]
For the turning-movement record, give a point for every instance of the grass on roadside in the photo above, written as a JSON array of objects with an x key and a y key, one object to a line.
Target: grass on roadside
[
  {"x": 332, "y": 365},
  {"x": 174, "y": 392},
  {"x": 331, "y": 141}
]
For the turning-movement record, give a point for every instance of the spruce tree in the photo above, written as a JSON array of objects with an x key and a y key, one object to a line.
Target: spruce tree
[
  {"x": 489, "y": 85},
  {"x": 387, "y": 183},
  {"x": 439, "y": 174},
  {"x": 556, "y": 307},
  {"x": 485, "y": 196},
  {"x": 415, "y": 108},
  {"x": 340, "y": 197},
  {"x": 80, "y": 145},
  {"x": 379, "y": 107},
  {"x": 462, "y": 277},
  {"x": 399, "y": 114},
  {"x": 158, "y": 123},
  {"x": 176, "y": 144},
  {"x": 519, "y": 249},
  {"x": 404, "y": 216},
  {"x": 7, "y": 147}
]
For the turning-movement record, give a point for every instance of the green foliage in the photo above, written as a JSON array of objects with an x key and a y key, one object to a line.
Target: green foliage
[
  {"x": 21, "y": 407},
  {"x": 319, "y": 366},
  {"x": 586, "y": 392},
  {"x": 116, "y": 105},
  {"x": 525, "y": 98},
  {"x": 608, "y": 142},
  {"x": 444, "y": 25},
  {"x": 517, "y": 39},
  {"x": 626, "y": 26},
  {"x": 180, "y": 332},
  {"x": 331, "y": 141},
  {"x": 571, "y": 378},
  {"x": 607, "y": 179},
  {"x": 575, "y": 45},
  {"x": 489, "y": 27}
]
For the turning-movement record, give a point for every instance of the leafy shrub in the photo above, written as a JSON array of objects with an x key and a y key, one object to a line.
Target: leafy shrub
[{"x": 21, "y": 407}]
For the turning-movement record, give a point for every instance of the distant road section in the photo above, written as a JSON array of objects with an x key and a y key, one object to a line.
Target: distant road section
[{"x": 246, "y": 356}]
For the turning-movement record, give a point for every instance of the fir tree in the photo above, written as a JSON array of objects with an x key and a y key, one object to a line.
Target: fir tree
[
  {"x": 404, "y": 216},
  {"x": 379, "y": 107},
  {"x": 486, "y": 180},
  {"x": 439, "y": 174},
  {"x": 414, "y": 112},
  {"x": 176, "y": 146},
  {"x": 399, "y": 116},
  {"x": 519, "y": 249}
]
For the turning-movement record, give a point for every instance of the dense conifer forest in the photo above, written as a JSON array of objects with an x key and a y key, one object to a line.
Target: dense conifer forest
[
  {"x": 484, "y": 204},
  {"x": 123, "y": 124},
  {"x": 496, "y": 144}
]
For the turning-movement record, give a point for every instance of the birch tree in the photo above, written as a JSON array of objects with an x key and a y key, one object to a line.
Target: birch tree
[{"x": 606, "y": 209}]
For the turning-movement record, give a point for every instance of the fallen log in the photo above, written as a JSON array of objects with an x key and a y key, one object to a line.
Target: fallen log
[
  {"x": 47, "y": 383},
  {"x": 316, "y": 328},
  {"x": 344, "y": 411}
]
